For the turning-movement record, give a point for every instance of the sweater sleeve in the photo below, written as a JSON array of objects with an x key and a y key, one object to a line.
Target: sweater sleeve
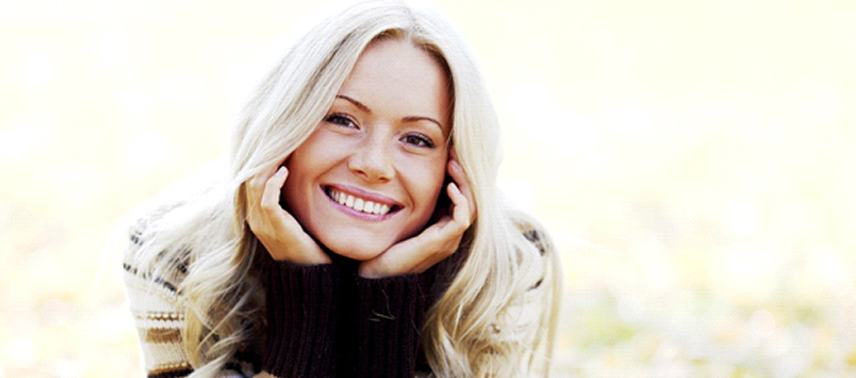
[
  {"x": 301, "y": 315},
  {"x": 157, "y": 307},
  {"x": 389, "y": 315}
]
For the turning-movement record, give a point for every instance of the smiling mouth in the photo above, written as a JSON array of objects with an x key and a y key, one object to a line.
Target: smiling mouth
[{"x": 359, "y": 204}]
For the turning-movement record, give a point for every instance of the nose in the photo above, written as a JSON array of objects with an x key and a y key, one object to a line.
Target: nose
[{"x": 372, "y": 160}]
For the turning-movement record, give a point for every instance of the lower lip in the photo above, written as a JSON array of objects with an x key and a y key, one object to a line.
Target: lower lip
[{"x": 357, "y": 214}]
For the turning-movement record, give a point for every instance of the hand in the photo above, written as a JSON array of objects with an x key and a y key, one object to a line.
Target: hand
[
  {"x": 275, "y": 228},
  {"x": 435, "y": 243}
]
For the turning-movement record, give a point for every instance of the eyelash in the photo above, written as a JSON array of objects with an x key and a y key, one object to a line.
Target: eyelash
[
  {"x": 420, "y": 140},
  {"x": 333, "y": 118},
  {"x": 417, "y": 140}
]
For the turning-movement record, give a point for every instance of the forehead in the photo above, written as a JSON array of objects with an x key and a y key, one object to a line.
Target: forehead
[{"x": 397, "y": 78}]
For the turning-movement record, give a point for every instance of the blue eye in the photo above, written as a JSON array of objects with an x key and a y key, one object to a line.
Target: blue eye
[
  {"x": 418, "y": 140},
  {"x": 341, "y": 120}
]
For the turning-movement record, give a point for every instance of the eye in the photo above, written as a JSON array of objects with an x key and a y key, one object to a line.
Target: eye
[
  {"x": 418, "y": 140},
  {"x": 341, "y": 120}
]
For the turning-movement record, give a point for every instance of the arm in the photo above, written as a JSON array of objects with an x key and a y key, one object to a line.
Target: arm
[
  {"x": 159, "y": 320},
  {"x": 157, "y": 309},
  {"x": 299, "y": 343}
]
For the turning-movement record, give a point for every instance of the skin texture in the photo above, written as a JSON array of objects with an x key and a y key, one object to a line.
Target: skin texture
[{"x": 385, "y": 136}]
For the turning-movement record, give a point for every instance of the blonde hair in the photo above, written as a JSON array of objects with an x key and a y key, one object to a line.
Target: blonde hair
[{"x": 206, "y": 241}]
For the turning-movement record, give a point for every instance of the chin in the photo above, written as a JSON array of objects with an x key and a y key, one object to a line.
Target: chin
[{"x": 357, "y": 251}]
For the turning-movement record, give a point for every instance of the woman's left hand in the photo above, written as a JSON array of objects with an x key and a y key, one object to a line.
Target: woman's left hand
[{"x": 435, "y": 243}]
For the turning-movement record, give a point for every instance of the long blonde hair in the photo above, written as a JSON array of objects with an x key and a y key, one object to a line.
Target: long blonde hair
[{"x": 205, "y": 242}]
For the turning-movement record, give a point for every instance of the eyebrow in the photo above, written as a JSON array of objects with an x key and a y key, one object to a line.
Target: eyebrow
[{"x": 366, "y": 109}]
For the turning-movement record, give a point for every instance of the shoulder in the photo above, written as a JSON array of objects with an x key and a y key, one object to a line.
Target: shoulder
[
  {"x": 538, "y": 273},
  {"x": 154, "y": 302},
  {"x": 532, "y": 231},
  {"x": 147, "y": 263},
  {"x": 534, "y": 246},
  {"x": 161, "y": 239},
  {"x": 162, "y": 216},
  {"x": 143, "y": 256},
  {"x": 526, "y": 323}
]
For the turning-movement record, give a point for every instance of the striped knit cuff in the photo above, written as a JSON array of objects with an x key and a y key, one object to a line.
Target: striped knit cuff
[
  {"x": 390, "y": 312},
  {"x": 301, "y": 313}
]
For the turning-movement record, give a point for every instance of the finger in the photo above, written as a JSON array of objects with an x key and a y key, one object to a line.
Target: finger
[
  {"x": 254, "y": 187},
  {"x": 392, "y": 262},
  {"x": 461, "y": 184},
  {"x": 414, "y": 255},
  {"x": 270, "y": 196},
  {"x": 460, "y": 178},
  {"x": 417, "y": 254},
  {"x": 250, "y": 190},
  {"x": 461, "y": 213},
  {"x": 251, "y": 194},
  {"x": 260, "y": 179}
]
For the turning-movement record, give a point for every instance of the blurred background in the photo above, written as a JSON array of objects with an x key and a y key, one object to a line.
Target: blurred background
[{"x": 692, "y": 160}]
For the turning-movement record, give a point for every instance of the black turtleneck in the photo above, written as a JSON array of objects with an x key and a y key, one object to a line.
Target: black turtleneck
[{"x": 326, "y": 320}]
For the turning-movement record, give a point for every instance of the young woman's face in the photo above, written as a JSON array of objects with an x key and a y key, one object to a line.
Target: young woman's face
[{"x": 370, "y": 174}]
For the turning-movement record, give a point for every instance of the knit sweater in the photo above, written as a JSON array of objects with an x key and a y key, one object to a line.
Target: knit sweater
[{"x": 322, "y": 320}]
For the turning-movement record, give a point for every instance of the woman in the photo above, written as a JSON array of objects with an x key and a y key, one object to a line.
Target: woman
[{"x": 359, "y": 232}]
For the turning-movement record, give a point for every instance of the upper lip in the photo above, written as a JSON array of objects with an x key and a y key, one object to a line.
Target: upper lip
[{"x": 362, "y": 193}]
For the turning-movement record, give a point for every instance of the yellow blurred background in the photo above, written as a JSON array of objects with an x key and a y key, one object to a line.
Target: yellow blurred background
[{"x": 693, "y": 161}]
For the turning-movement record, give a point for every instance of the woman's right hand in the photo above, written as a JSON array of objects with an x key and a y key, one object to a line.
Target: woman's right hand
[{"x": 275, "y": 228}]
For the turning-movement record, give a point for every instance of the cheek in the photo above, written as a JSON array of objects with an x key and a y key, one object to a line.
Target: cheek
[
  {"x": 292, "y": 190},
  {"x": 302, "y": 167},
  {"x": 311, "y": 158},
  {"x": 427, "y": 183}
]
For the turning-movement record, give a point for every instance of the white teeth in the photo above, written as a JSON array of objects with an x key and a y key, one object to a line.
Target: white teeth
[{"x": 359, "y": 204}]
